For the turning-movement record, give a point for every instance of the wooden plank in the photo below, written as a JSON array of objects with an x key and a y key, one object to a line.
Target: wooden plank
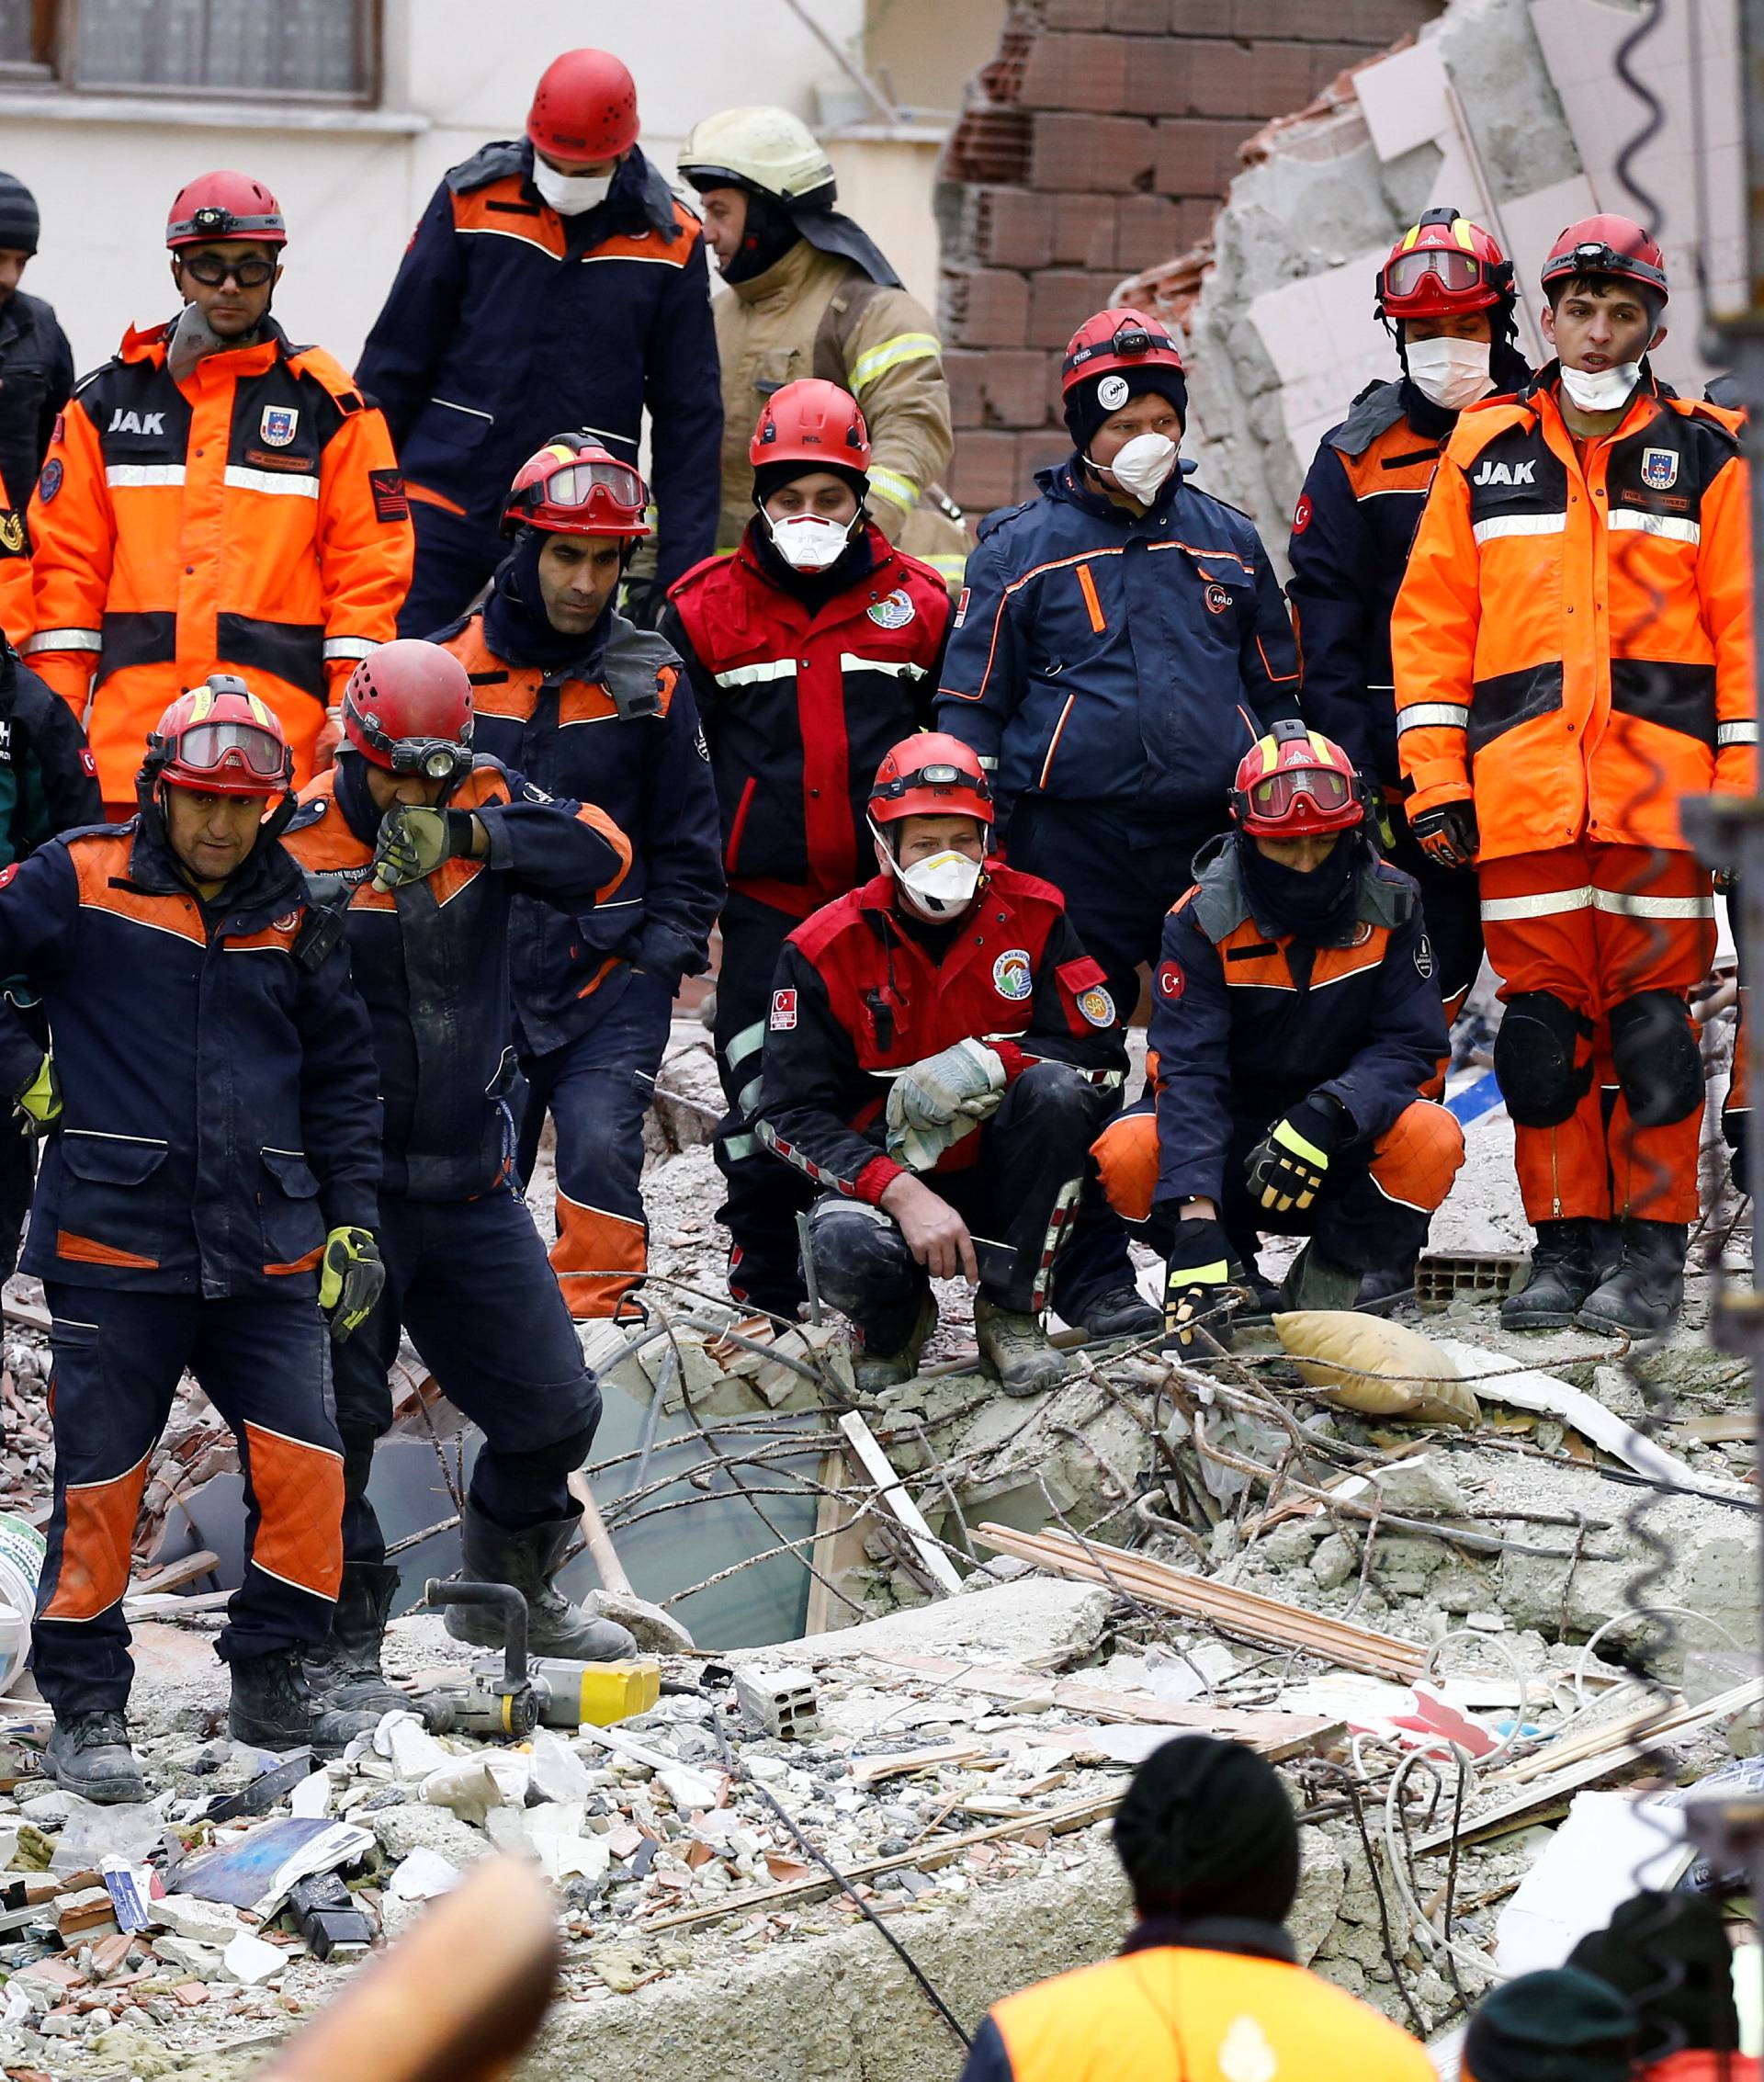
[
  {"x": 607, "y": 1565},
  {"x": 174, "y": 1575},
  {"x": 838, "y": 1547},
  {"x": 1636, "y": 1731},
  {"x": 872, "y": 1771},
  {"x": 880, "y": 1470}
]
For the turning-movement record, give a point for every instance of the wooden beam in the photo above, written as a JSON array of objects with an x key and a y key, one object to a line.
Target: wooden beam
[{"x": 880, "y": 1469}]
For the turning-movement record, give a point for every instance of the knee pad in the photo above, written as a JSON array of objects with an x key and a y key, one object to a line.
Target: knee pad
[
  {"x": 1126, "y": 1163},
  {"x": 1535, "y": 1063},
  {"x": 1417, "y": 1162},
  {"x": 860, "y": 1257},
  {"x": 1654, "y": 1053}
]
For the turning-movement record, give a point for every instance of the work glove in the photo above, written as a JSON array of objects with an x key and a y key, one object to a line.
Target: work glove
[
  {"x": 39, "y": 1104},
  {"x": 1378, "y": 812},
  {"x": 1198, "y": 1277},
  {"x": 350, "y": 1278},
  {"x": 934, "y": 1103},
  {"x": 414, "y": 841},
  {"x": 1287, "y": 1166},
  {"x": 1447, "y": 835}
]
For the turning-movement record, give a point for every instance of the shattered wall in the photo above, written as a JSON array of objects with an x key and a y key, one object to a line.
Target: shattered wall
[{"x": 1099, "y": 142}]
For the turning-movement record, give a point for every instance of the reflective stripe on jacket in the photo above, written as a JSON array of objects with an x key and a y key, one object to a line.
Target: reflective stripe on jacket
[
  {"x": 1573, "y": 639},
  {"x": 246, "y": 519}
]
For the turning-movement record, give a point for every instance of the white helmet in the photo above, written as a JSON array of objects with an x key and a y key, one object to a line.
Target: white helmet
[{"x": 768, "y": 150}]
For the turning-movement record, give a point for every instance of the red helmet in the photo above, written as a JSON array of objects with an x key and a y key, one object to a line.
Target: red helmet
[
  {"x": 408, "y": 708},
  {"x": 932, "y": 775},
  {"x": 1441, "y": 266},
  {"x": 222, "y": 739},
  {"x": 224, "y": 206},
  {"x": 1607, "y": 244},
  {"x": 573, "y": 486},
  {"x": 584, "y": 108},
  {"x": 1295, "y": 782},
  {"x": 1120, "y": 338},
  {"x": 812, "y": 421}
]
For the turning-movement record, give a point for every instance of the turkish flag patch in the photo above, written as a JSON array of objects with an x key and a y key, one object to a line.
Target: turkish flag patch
[
  {"x": 784, "y": 1011},
  {"x": 88, "y": 763},
  {"x": 390, "y": 501},
  {"x": 1302, "y": 516},
  {"x": 7, "y": 875},
  {"x": 1172, "y": 982}
]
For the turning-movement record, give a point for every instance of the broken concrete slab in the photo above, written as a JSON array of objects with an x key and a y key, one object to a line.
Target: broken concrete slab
[{"x": 1033, "y": 1622}]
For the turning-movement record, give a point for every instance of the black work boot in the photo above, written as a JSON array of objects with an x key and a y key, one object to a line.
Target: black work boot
[
  {"x": 1315, "y": 1280},
  {"x": 874, "y": 1371},
  {"x": 273, "y": 1707},
  {"x": 492, "y": 1554},
  {"x": 1568, "y": 1260},
  {"x": 1123, "y": 1312},
  {"x": 345, "y": 1672},
  {"x": 1384, "y": 1285},
  {"x": 89, "y": 1754},
  {"x": 1647, "y": 1291}
]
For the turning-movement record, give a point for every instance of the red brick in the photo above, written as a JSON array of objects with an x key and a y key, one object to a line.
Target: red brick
[
  {"x": 984, "y": 306},
  {"x": 1102, "y": 155},
  {"x": 1014, "y": 227},
  {"x": 1040, "y": 451},
  {"x": 983, "y": 473},
  {"x": 1076, "y": 13},
  {"x": 1150, "y": 231},
  {"x": 965, "y": 372},
  {"x": 1083, "y": 230},
  {"x": 1015, "y": 385},
  {"x": 1060, "y": 301},
  {"x": 1140, "y": 17},
  {"x": 1194, "y": 76},
  {"x": 1285, "y": 76},
  {"x": 1198, "y": 155},
  {"x": 1381, "y": 22},
  {"x": 1076, "y": 72}
]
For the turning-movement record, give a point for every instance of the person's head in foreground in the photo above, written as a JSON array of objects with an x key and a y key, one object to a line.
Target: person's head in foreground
[
  {"x": 1559, "y": 2026},
  {"x": 1668, "y": 1954},
  {"x": 1206, "y": 1831}
]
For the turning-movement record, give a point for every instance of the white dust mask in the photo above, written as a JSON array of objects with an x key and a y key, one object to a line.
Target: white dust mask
[
  {"x": 808, "y": 543},
  {"x": 1143, "y": 466},
  {"x": 568, "y": 194},
  {"x": 942, "y": 885},
  {"x": 1601, "y": 389},
  {"x": 1452, "y": 373}
]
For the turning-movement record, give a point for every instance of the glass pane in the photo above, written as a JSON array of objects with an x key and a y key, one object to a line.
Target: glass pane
[
  {"x": 240, "y": 46},
  {"x": 15, "y": 32}
]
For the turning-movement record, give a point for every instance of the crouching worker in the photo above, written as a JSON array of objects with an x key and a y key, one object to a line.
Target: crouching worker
[
  {"x": 209, "y": 1174},
  {"x": 423, "y": 849},
  {"x": 1294, "y": 1019},
  {"x": 941, "y": 1023}
]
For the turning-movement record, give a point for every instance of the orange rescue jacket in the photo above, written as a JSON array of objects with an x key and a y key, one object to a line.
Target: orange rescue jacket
[
  {"x": 1572, "y": 644},
  {"x": 249, "y": 519},
  {"x": 15, "y": 607}
]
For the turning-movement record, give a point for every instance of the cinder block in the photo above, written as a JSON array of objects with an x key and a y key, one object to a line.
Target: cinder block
[
  {"x": 984, "y": 306},
  {"x": 1076, "y": 72},
  {"x": 1076, "y": 13},
  {"x": 1013, "y": 229},
  {"x": 1060, "y": 302},
  {"x": 1198, "y": 155},
  {"x": 1193, "y": 75},
  {"x": 1083, "y": 229},
  {"x": 783, "y": 1703},
  {"x": 983, "y": 473},
  {"x": 965, "y": 372},
  {"x": 1381, "y": 22},
  {"x": 1140, "y": 17},
  {"x": 1101, "y": 154}
]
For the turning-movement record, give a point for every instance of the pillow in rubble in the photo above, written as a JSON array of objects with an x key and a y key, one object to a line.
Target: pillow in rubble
[{"x": 1377, "y": 1367}]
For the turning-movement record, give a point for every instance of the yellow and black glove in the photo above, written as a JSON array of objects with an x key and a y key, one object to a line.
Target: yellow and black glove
[
  {"x": 350, "y": 1278},
  {"x": 414, "y": 841},
  {"x": 1288, "y": 1166},
  {"x": 39, "y": 1104},
  {"x": 1198, "y": 1277}
]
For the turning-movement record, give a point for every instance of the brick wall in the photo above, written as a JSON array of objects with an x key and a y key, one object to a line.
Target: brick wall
[{"x": 1098, "y": 142}]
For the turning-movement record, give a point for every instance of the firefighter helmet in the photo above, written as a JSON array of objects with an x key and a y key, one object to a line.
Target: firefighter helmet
[
  {"x": 1607, "y": 244},
  {"x": 767, "y": 151},
  {"x": 1443, "y": 266},
  {"x": 1295, "y": 782},
  {"x": 408, "y": 708},
  {"x": 222, "y": 739},
  {"x": 585, "y": 108},
  {"x": 573, "y": 486},
  {"x": 930, "y": 775},
  {"x": 224, "y": 206},
  {"x": 814, "y": 422},
  {"x": 1119, "y": 338}
]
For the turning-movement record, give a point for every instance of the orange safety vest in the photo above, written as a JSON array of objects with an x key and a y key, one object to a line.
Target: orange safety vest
[
  {"x": 249, "y": 519},
  {"x": 1572, "y": 643}
]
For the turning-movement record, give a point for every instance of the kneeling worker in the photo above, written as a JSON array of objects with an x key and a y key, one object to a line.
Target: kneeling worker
[
  {"x": 424, "y": 849},
  {"x": 949, "y": 992},
  {"x": 210, "y": 1169},
  {"x": 1294, "y": 1020}
]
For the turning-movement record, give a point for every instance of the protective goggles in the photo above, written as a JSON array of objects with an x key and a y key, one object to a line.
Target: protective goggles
[
  {"x": 1456, "y": 272},
  {"x": 576, "y": 484},
  {"x": 934, "y": 776},
  {"x": 213, "y": 748},
  {"x": 1275, "y": 797},
  {"x": 211, "y": 271}
]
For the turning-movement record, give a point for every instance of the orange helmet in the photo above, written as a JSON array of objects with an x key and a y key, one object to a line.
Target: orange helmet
[
  {"x": 222, "y": 739},
  {"x": 573, "y": 486},
  {"x": 813, "y": 422},
  {"x": 1444, "y": 264},
  {"x": 1607, "y": 244},
  {"x": 1118, "y": 339},
  {"x": 584, "y": 108},
  {"x": 224, "y": 206},
  {"x": 1293, "y": 784},
  {"x": 930, "y": 774}
]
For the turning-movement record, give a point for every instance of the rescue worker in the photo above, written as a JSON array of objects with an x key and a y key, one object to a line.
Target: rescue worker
[
  {"x": 1668, "y": 1956},
  {"x": 211, "y": 1167},
  {"x": 554, "y": 280},
  {"x": 813, "y": 296},
  {"x": 942, "y": 1021},
  {"x": 215, "y": 496},
  {"x": 568, "y": 694},
  {"x": 1447, "y": 292},
  {"x": 1295, "y": 1021},
  {"x": 1120, "y": 607},
  {"x": 812, "y": 650},
  {"x": 1573, "y": 652},
  {"x": 1207, "y": 1987},
  {"x": 36, "y": 362},
  {"x": 18, "y": 607},
  {"x": 423, "y": 845},
  {"x": 1559, "y": 2025}
]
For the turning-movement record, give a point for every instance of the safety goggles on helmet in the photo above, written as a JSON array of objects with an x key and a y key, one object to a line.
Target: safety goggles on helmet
[
  {"x": 230, "y": 748},
  {"x": 1272, "y": 799},
  {"x": 211, "y": 271},
  {"x": 1457, "y": 272},
  {"x": 936, "y": 775},
  {"x": 575, "y": 484}
]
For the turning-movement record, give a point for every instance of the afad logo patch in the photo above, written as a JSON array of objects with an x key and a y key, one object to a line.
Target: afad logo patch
[
  {"x": 1097, "y": 1006},
  {"x": 784, "y": 1011},
  {"x": 1217, "y": 598},
  {"x": 1172, "y": 982},
  {"x": 1013, "y": 977}
]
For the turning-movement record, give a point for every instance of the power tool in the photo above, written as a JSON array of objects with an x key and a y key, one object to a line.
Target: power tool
[{"x": 515, "y": 1696}]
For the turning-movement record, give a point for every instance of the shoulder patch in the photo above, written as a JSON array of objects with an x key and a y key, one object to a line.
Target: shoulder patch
[
  {"x": 13, "y": 541},
  {"x": 784, "y": 1011},
  {"x": 391, "y": 502},
  {"x": 50, "y": 483},
  {"x": 1170, "y": 981}
]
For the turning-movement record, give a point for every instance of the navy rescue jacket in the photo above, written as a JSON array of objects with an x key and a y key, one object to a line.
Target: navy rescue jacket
[
  {"x": 36, "y": 381},
  {"x": 219, "y": 1108},
  {"x": 1246, "y": 1020},
  {"x": 1098, "y": 656},
  {"x": 507, "y": 324},
  {"x": 617, "y": 727},
  {"x": 48, "y": 779},
  {"x": 431, "y": 958}
]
